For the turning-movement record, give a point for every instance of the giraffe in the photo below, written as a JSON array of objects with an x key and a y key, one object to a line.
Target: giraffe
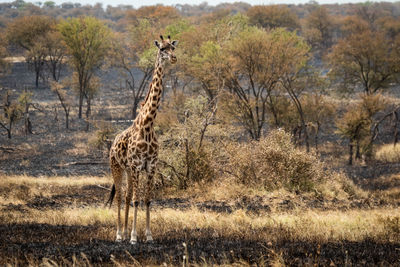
[{"x": 135, "y": 149}]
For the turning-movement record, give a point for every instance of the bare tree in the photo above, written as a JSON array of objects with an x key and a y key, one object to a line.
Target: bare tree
[{"x": 63, "y": 97}]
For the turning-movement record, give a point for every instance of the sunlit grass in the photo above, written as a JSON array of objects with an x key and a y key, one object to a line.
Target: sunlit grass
[
  {"x": 388, "y": 153},
  {"x": 53, "y": 180},
  {"x": 321, "y": 226}
]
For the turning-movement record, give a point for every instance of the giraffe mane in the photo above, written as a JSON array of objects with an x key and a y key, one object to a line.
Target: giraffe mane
[{"x": 147, "y": 95}]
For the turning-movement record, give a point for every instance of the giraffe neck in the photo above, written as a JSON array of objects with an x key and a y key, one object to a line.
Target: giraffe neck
[{"x": 152, "y": 101}]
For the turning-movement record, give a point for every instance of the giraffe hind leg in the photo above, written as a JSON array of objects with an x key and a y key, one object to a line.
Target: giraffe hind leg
[
  {"x": 135, "y": 185},
  {"x": 148, "y": 197},
  {"x": 128, "y": 199},
  {"x": 117, "y": 172}
]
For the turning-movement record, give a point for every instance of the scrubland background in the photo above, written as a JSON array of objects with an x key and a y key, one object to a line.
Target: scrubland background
[{"x": 278, "y": 129}]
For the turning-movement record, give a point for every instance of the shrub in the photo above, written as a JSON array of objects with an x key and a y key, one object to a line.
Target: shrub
[
  {"x": 391, "y": 226},
  {"x": 274, "y": 162},
  {"x": 103, "y": 137},
  {"x": 186, "y": 126},
  {"x": 388, "y": 153}
]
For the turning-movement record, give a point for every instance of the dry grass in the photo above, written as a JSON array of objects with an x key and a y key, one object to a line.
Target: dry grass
[
  {"x": 388, "y": 153},
  {"x": 306, "y": 225},
  {"x": 92, "y": 221},
  {"x": 55, "y": 180},
  {"x": 17, "y": 189}
]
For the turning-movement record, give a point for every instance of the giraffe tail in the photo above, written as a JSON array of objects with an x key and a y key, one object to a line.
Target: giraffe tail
[{"x": 111, "y": 198}]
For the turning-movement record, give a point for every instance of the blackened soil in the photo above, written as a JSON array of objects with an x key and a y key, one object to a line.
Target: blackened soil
[
  {"x": 90, "y": 195},
  {"x": 60, "y": 243}
]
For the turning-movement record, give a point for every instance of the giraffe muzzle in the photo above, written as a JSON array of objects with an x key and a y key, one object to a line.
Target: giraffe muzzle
[{"x": 173, "y": 59}]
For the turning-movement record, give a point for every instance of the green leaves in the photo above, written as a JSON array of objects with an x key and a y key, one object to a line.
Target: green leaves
[
  {"x": 146, "y": 59},
  {"x": 87, "y": 39},
  {"x": 177, "y": 28}
]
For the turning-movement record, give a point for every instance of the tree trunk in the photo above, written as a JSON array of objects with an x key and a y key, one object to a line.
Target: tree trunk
[
  {"x": 358, "y": 154},
  {"x": 184, "y": 184},
  {"x": 350, "y": 153},
  {"x": 27, "y": 121},
  {"x": 67, "y": 119},
  {"x": 9, "y": 130},
  {"x": 28, "y": 126},
  {"x": 37, "y": 79},
  {"x": 134, "y": 108},
  {"x": 80, "y": 104},
  {"x": 88, "y": 114},
  {"x": 306, "y": 137},
  {"x": 316, "y": 137},
  {"x": 396, "y": 130}
]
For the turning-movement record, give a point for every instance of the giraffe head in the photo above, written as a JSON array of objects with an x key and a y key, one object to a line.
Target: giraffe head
[{"x": 166, "y": 49}]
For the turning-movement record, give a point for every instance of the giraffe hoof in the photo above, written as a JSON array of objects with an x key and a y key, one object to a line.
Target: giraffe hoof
[
  {"x": 118, "y": 240},
  {"x": 133, "y": 242},
  {"x": 149, "y": 239}
]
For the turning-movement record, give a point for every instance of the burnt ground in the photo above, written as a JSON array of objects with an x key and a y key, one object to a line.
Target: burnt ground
[
  {"x": 64, "y": 244},
  {"x": 54, "y": 242}
]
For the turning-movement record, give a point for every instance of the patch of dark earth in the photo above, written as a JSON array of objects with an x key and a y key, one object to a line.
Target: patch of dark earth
[
  {"x": 94, "y": 196},
  {"x": 81, "y": 201},
  {"x": 59, "y": 243}
]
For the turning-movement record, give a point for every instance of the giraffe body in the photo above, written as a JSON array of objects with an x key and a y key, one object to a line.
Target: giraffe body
[{"x": 135, "y": 150}]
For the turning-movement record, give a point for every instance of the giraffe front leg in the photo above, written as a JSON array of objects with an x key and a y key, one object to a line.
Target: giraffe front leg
[
  {"x": 128, "y": 199},
  {"x": 148, "y": 196},
  {"x": 135, "y": 183},
  {"x": 149, "y": 236},
  {"x": 134, "y": 233}
]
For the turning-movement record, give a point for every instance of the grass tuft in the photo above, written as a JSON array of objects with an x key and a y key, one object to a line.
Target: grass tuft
[{"x": 388, "y": 153}]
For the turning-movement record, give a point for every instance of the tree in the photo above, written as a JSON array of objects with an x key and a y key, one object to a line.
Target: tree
[
  {"x": 250, "y": 78},
  {"x": 55, "y": 50},
  {"x": 134, "y": 51},
  {"x": 207, "y": 67},
  {"x": 63, "y": 97},
  {"x": 188, "y": 157},
  {"x": 176, "y": 76},
  {"x": 13, "y": 111},
  {"x": 258, "y": 62},
  {"x": 369, "y": 12},
  {"x": 27, "y": 32},
  {"x": 364, "y": 59},
  {"x": 296, "y": 75},
  {"x": 356, "y": 124},
  {"x": 157, "y": 15},
  {"x": 318, "y": 112},
  {"x": 390, "y": 25},
  {"x": 318, "y": 28},
  {"x": 354, "y": 25},
  {"x": 25, "y": 101},
  {"x": 201, "y": 59},
  {"x": 87, "y": 40},
  {"x": 273, "y": 16}
]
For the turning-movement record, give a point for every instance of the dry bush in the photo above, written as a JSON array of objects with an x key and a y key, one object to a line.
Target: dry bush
[
  {"x": 186, "y": 128},
  {"x": 103, "y": 137},
  {"x": 275, "y": 162},
  {"x": 388, "y": 153}
]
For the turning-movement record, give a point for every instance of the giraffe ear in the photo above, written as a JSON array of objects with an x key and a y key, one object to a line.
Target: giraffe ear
[
  {"x": 175, "y": 43},
  {"x": 157, "y": 44}
]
